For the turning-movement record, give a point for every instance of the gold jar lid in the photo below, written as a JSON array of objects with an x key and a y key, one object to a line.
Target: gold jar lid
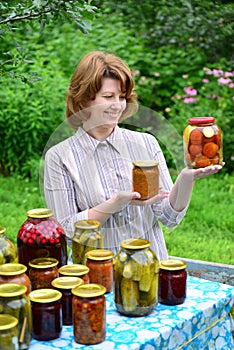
[
  {"x": 43, "y": 263},
  {"x": 87, "y": 224},
  {"x": 67, "y": 282},
  {"x": 73, "y": 270},
  {"x": 7, "y": 322},
  {"x": 172, "y": 264},
  {"x": 135, "y": 243},
  {"x": 40, "y": 213},
  {"x": 12, "y": 289},
  {"x": 89, "y": 290},
  {"x": 147, "y": 163},
  {"x": 2, "y": 230},
  {"x": 45, "y": 295},
  {"x": 99, "y": 254},
  {"x": 12, "y": 269}
]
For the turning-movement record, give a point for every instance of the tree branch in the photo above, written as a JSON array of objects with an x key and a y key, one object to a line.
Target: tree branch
[{"x": 37, "y": 14}]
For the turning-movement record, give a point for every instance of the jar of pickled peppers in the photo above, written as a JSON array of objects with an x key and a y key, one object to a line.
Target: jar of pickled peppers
[
  {"x": 135, "y": 278},
  {"x": 8, "y": 332},
  {"x": 15, "y": 273},
  {"x": 172, "y": 282},
  {"x": 87, "y": 236},
  {"x": 75, "y": 270},
  {"x": 8, "y": 249},
  {"x": 202, "y": 143},
  {"x": 89, "y": 313},
  {"x": 42, "y": 271},
  {"x": 145, "y": 178}
]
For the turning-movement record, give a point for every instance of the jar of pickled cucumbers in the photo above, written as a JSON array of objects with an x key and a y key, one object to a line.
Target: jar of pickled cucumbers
[
  {"x": 42, "y": 271},
  {"x": 75, "y": 270},
  {"x": 15, "y": 273},
  {"x": 8, "y": 250},
  {"x": 202, "y": 143},
  {"x": 136, "y": 278},
  {"x": 87, "y": 236},
  {"x": 14, "y": 301},
  {"x": 145, "y": 177},
  {"x": 8, "y": 332}
]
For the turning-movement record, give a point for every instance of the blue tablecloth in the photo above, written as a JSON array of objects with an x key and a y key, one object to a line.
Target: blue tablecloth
[{"x": 201, "y": 322}]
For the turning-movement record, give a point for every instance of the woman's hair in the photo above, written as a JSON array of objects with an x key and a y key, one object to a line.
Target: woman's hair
[{"x": 87, "y": 81}]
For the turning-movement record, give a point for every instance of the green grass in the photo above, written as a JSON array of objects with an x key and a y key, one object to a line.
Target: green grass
[{"x": 206, "y": 232}]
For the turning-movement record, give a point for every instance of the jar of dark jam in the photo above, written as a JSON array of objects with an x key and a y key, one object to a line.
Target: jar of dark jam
[
  {"x": 145, "y": 177},
  {"x": 8, "y": 250},
  {"x": 136, "y": 278},
  {"x": 41, "y": 236},
  {"x": 87, "y": 236},
  {"x": 100, "y": 264},
  {"x": 46, "y": 313},
  {"x": 8, "y": 332},
  {"x": 15, "y": 273},
  {"x": 15, "y": 302},
  {"x": 172, "y": 282},
  {"x": 202, "y": 143},
  {"x": 65, "y": 286},
  {"x": 42, "y": 271},
  {"x": 89, "y": 313},
  {"x": 75, "y": 270}
]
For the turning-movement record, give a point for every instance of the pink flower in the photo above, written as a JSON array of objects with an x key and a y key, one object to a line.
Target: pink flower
[
  {"x": 189, "y": 99},
  {"x": 190, "y": 91},
  {"x": 185, "y": 76},
  {"x": 135, "y": 72},
  {"x": 205, "y": 80},
  {"x": 231, "y": 85},
  {"x": 208, "y": 71},
  {"x": 156, "y": 74},
  {"x": 224, "y": 80},
  {"x": 214, "y": 96},
  {"x": 229, "y": 74},
  {"x": 217, "y": 72}
]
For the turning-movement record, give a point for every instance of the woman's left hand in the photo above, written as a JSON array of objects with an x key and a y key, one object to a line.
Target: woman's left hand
[{"x": 203, "y": 172}]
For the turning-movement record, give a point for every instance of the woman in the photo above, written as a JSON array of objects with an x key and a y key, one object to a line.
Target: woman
[{"x": 89, "y": 175}]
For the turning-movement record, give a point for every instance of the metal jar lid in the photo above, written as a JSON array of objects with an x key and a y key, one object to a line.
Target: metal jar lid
[
  {"x": 12, "y": 290},
  {"x": 73, "y": 270},
  {"x": 2, "y": 230},
  {"x": 172, "y": 264},
  {"x": 201, "y": 120},
  {"x": 135, "y": 243},
  {"x": 87, "y": 224},
  {"x": 7, "y": 322},
  {"x": 99, "y": 254},
  {"x": 40, "y": 213},
  {"x": 12, "y": 269},
  {"x": 43, "y": 263},
  {"x": 45, "y": 295},
  {"x": 89, "y": 290},
  {"x": 147, "y": 163},
  {"x": 67, "y": 282}
]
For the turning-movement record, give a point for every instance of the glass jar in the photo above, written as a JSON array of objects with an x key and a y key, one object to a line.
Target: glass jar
[
  {"x": 15, "y": 273},
  {"x": 13, "y": 301},
  {"x": 8, "y": 332},
  {"x": 46, "y": 313},
  {"x": 172, "y": 282},
  {"x": 65, "y": 286},
  {"x": 100, "y": 264},
  {"x": 8, "y": 250},
  {"x": 75, "y": 270},
  {"x": 202, "y": 143},
  {"x": 87, "y": 236},
  {"x": 41, "y": 236},
  {"x": 42, "y": 271},
  {"x": 89, "y": 314},
  {"x": 145, "y": 177},
  {"x": 136, "y": 278}
]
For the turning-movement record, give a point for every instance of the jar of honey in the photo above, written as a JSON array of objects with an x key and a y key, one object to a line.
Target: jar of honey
[
  {"x": 41, "y": 236},
  {"x": 202, "y": 143},
  {"x": 75, "y": 270},
  {"x": 8, "y": 332},
  {"x": 42, "y": 271},
  {"x": 65, "y": 286},
  {"x": 89, "y": 310},
  {"x": 8, "y": 249},
  {"x": 172, "y": 282},
  {"x": 100, "y": 264},
  {"x": 145, "y": 177},
  {"x": 136, "y": 278},
  {"x": 46, "y": 313},
  {"x": 87, "y": 236},
  {"x": 15, "y": 273}
]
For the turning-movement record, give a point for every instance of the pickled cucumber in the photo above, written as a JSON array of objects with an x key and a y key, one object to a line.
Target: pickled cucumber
[{"x": 130, "y": 294}]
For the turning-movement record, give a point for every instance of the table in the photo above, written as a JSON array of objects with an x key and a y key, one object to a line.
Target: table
[{"x": 201, "y": 322}]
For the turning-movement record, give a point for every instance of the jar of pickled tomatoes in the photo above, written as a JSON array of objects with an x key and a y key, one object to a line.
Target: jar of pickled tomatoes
[
  {"x": 75, "y": 270},
  {"x": 202, "y": 143},
  {"x": 41, "y": 236},
  {"x": 145, "y": 177},
  {"x": 42, "y": 271}
]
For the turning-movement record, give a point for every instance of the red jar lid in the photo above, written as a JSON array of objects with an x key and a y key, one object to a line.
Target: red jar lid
[{"x": 201, "y": 120}]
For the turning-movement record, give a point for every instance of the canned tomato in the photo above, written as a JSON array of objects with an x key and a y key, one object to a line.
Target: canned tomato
[{"x": 145, "y": 177}]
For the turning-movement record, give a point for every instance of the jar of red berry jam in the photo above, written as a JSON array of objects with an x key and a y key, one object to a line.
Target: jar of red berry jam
[
  {"x": 75, "y": 270},
  {"x": 65, "y": 286},
  {"x": 15, "y": 273},
  {"x": 145, "y": 177},
  {"x": 202, "y": 143},
  {"x": 100, "y": 264},
  {"x": 42, "y": 271},
  {"x": 172, "y": 282},
  {"x": 89, "y": 313},
  {"x": 46, "y": 313},
  {"x": 41, "y": 236}
]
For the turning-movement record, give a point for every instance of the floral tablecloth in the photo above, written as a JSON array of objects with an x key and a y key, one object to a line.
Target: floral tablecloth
[{"x": 201, "y": 322}]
